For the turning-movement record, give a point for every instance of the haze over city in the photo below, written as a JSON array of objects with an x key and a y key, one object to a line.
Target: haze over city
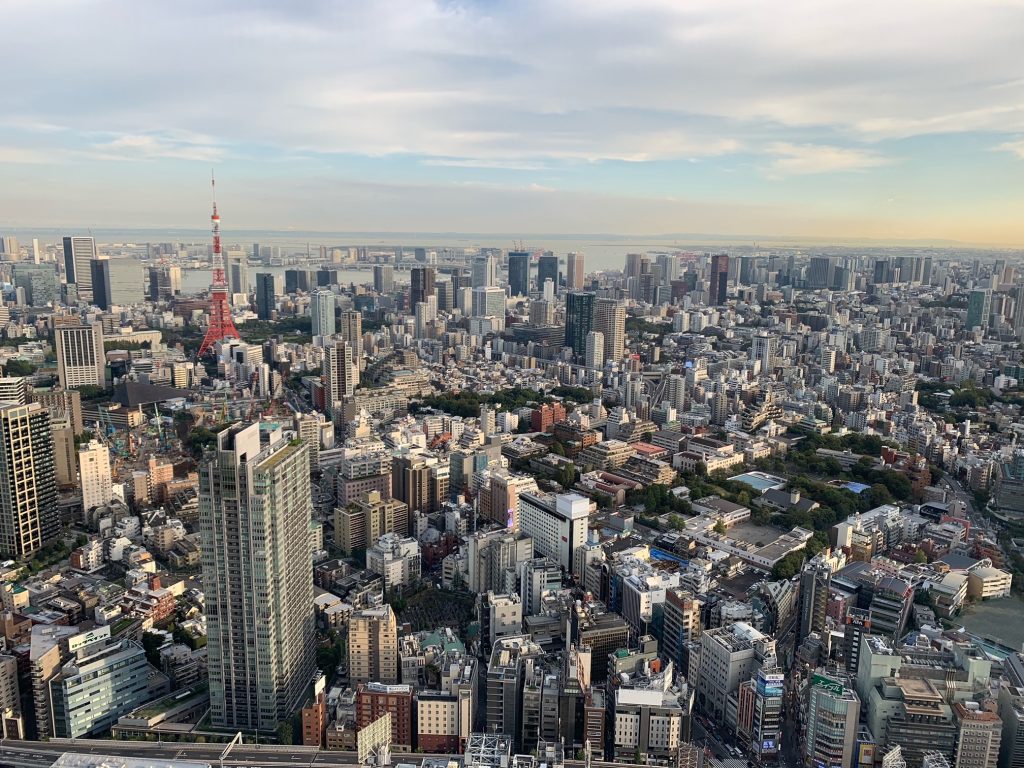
[{"x": 888, "y": 121}]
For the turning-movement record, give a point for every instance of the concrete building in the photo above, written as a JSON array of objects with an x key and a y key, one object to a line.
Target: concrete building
[
  {"x": 374, "y": 700},
  {"x": 12, "y": 719},
  {"x": 575, "y": 271},
  {"x": 116, "y": 282},
  {"x": 364, "y": 521},
  {"x": 340, "y": 377},
  {"x": 727, "y": 657},
  {"x": 94, "y": 475},
  {"x": 978, "y": 737},
  {"x": 558, "y": 527},
  {"x": 396, "y": 559},
  {"x": 80, "y": 356},
  {"x": 28, "y": 510},
  {"x": 14, "y": 389},
  {"x": 610, "y": 322},
  {"x": 266, "y": 295},
  {"x": 255, "y": 505},
  {"x": 512, "y": 661},
  {"x": 594, "y": 358},
  {"x": 681, "y": 625},
  {"x": 493, "y": 558},
  {"x": 833, "y": 709},
  {"x": 373, "y": 646},
  {"x": 78, "y": 255},
  {"x": 500, "y": 616},
  {"x": 102, "y": 681},
  {"x": 651, "y": 719},
  {"x": 321, "y": 309}
]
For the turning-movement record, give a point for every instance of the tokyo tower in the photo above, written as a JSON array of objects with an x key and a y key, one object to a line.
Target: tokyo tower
[{"x": 221, "y": 325}]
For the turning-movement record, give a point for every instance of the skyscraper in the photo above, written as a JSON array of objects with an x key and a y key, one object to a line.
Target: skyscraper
[
  {"x": 1018, "y": 314},
  {"x": 978, "y": 308},
  {"x": 351, "y": 330},
  {"x": 595, "y": 350},
  {"x": 383, "y": 278},
  {"x": 821, "y": 272},
  {"x": 579, "y": 320},
  {"x": 421, "y": 285},
  {"x": 255, "y": 508},
  {"x": 547, "y": 269},
  {"x": 39, "y": 281},
  {"x": 815, "y": 580},
  {"x": 519, "y": 273},
  {"x": 116, "y": 282},
  {"x": 574, "y": 271},
  {"x": 340, "y": 376},
  {"x": 80, "y": 356},
  {"x": 633, "y": 261},
  {"x": 28, "y": 507},
  {"x": 719, "y": 282},
  {"x": 9, "y": 248},
  {"x": 164, "y": 283},
  {"x": 94, "y": 475},
  {"x": 238, "y": 274},
  {"x": 483, "y": 271},
  {"x": 489, "y": 302},
  {"x": 78, "y": 253},
  {"x": 610, "y": 320},
  {"x": 322, "y": 310},
  {"x": 266, "y": 295}
]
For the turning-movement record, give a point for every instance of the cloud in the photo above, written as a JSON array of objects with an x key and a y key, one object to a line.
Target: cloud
[
  {"x": 505, "y": 165},
  {"x": 1014, "y": 147},
  {"x": 509, "y": 82},
  {"x": 801, "y": 159},
  {"x": 24, "y": 156},
  {"x": 152, "y": 147}
]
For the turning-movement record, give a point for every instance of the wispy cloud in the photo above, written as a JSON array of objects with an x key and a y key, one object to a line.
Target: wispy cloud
[
  {"x": 802, "y": 159},
  {"x": 1014, "y": 147},
  {"x": 153, "y": 147},
  {"x": 506, "y": 165},
  {"x": 450, "y": 81},
  {"x": 24, "y": 156}
]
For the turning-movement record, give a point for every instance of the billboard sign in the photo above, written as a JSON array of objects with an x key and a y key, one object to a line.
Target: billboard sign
[
  {"x": 770, "y": 684},
  {"x": 833, "y": 687}
]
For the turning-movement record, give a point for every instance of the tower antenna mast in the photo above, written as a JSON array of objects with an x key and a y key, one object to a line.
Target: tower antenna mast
[{"x": 221, "y": 326}]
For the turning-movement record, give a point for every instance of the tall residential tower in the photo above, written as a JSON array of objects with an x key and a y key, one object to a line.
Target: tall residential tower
[{"x": 255, "y": 508}]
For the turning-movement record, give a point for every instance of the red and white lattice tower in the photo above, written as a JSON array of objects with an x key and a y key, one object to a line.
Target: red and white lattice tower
[{"x": 221, "y": 325}]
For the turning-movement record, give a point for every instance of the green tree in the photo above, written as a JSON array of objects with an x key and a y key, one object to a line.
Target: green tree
[
  {"x": 720, "y": 527},
  {"x": 285, "y": 733},
  {"x": 920, "y": 556},
  {"x": 91, "y": 392},
  {"x": 789, "y": 566},
  {"x": 16, "y": 367}
]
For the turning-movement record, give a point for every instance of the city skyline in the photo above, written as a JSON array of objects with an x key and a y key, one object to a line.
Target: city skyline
[{"x": 728, "y": 118}]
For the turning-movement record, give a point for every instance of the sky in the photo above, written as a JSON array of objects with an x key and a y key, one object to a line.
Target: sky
[{"x": 886, "y": 120}]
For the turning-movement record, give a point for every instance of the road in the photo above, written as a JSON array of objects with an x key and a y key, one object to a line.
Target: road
[{"x": 44, "y": 754}]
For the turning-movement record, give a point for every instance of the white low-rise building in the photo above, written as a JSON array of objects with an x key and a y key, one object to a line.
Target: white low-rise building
[
  {"x": 395, "y": 558},
  {"x": 985, "y": 582}
]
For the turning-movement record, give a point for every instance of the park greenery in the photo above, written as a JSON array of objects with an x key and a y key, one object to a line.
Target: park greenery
[
  {"x": 17, "y": 367},
  {"x": 467, "y": 403}
]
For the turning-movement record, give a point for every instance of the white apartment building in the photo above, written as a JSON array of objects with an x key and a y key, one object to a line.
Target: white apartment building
[
  {"x": 396, "y": 559},
  {"x": 558, "y": 526},
  {"x": 94, "y": 475}
]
